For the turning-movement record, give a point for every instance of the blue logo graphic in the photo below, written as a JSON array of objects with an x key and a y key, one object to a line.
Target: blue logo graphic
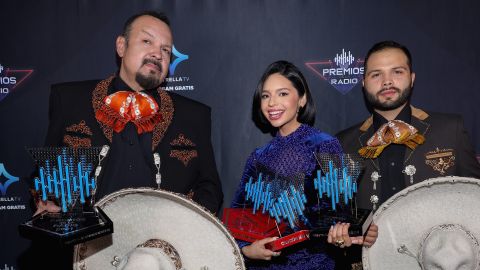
[
  {"x": 180, "y": 57},
  {"x": 11, "y": 179}
]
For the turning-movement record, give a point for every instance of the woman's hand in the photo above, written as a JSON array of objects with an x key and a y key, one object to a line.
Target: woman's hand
[{"x": 257, "y": 250}]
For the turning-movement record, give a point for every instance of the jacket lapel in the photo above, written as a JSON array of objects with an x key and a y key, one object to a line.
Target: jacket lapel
[
  {"x": 98, "y": 95},
  {"x": 420, "y": 122},
  {"x": 366, "y": 132},
  {"x": 167, "y": 110}
]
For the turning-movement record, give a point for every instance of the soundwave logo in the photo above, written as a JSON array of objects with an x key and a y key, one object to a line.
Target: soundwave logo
[
  {"x": 10, "y": 180},
  {"x": 343, "y": 73},
  {"x": 10, "y": 79},
  {"x": 6, "y": 267}
]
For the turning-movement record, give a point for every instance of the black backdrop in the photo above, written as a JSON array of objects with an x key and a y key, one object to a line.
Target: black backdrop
[{"x": 229, "y": 43}]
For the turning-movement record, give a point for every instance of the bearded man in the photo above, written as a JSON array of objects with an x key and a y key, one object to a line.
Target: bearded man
[{"x": 402, "y": 145}]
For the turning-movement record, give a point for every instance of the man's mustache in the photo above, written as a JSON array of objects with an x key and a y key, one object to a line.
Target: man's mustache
[
  {"x": 387, "y": 89},
  {"x": 153, "y": 61}
]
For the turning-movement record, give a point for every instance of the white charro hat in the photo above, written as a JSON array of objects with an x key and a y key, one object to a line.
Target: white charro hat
[
  {"x": 155, "y": 229},
  {"x": 434, "y": 224}
]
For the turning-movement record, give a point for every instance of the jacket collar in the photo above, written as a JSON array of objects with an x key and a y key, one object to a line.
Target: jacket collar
[
  {"x": 416, "y": 113},
  {"x": 419, "y": 121}
]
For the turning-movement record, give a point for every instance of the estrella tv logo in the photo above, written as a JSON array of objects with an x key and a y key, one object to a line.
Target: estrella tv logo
[
  {"x": 179, "y": 57},
  {"x": 4, "y": 184},
  {"x": 10, "y": 79},
  {"x": 176, "y": 82},
  {"x": 343, "y": 72}
]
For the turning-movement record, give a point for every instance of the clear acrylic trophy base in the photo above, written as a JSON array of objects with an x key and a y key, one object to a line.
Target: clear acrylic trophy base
[
  {"x": 359, "y": 221},
  {"x": 67, "y": 228}
]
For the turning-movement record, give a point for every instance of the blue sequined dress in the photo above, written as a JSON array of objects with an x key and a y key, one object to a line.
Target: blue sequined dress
[{"x": 290, "y": 156}]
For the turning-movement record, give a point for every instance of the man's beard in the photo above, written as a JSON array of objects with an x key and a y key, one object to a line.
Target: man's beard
[
  {"x": 403, "y": 97},
  {"x": 150, "y": 80}
]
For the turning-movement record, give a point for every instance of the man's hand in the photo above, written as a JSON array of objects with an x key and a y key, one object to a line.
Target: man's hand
[
  {"x": 372, "y": 235},
  {"x": 48, "y": 206},
  {"x": 338, "y": 236}
]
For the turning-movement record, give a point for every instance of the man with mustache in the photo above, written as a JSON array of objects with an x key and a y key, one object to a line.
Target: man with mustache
[
  {"x": 157, "y": 139},
  {"x": 402, "y": 145},
  {"x": 137, "y": 119}
]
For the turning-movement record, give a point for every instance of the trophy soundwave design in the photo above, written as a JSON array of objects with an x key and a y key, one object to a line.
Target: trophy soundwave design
[
  {"x": 280, "y": 199},
  {"x": 333, "y": 187},
  {"x": 289, "y": 204},
  {"x": 61, "y": 179},
  {"x": 65, "y": 177},
  {"x": 339, "y": 185}
]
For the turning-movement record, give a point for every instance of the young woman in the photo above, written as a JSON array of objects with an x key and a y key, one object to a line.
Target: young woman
[{"x": 283, "y": 105}]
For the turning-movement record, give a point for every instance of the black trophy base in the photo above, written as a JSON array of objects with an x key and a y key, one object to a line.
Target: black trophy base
[
  {"x": 67, "y": 228},
  {"x": 359, "y": 222}
]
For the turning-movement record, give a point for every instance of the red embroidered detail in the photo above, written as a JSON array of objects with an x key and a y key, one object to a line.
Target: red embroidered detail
[
  {"x": 182, "y": 141},
  {"x": 77, "y": 142},
  {"x": 184, "y": 155},
  {"x": 167, "y": 110},
  {"x": 98, "y": 94},
  {"x": 124, "y": 106},
  {"x": 80, "y": 128}
]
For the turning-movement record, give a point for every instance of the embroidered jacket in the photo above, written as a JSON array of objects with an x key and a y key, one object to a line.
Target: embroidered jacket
[
  {"x": 446, "y": 151},
  {"x": 182, "y": 139}
]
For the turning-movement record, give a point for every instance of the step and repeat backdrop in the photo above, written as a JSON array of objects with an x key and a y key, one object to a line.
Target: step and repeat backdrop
[{"x": 222, "y": 48}]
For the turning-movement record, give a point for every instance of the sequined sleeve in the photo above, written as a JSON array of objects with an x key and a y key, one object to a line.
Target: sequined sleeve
[
  {"x": 331, "y": 146},
  {"x": 324, "y": 143}
]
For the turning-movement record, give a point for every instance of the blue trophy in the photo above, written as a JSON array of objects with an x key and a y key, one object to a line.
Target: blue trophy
[
  {"x": 68, "y": 177},
  {"x": 335, "y": 187}
]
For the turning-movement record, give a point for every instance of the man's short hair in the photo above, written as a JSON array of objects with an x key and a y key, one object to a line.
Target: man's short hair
[
  {"x": 389, "y": 44},
  {"x": 127, "y": 27},
  {"x": 128, "y": 24}
]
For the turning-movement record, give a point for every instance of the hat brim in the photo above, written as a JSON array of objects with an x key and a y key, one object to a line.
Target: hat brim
[
  {"x": 142, "y": 214},
  {"x": 405, "y": 218}
]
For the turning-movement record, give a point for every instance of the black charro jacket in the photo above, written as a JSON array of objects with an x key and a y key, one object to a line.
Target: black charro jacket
[
  {"x": 182, "y": 138},
  {"x": 446, "y": 151}
]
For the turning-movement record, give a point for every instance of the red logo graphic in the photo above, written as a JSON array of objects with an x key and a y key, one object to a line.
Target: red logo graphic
[{"x": 10, "y": 79}]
